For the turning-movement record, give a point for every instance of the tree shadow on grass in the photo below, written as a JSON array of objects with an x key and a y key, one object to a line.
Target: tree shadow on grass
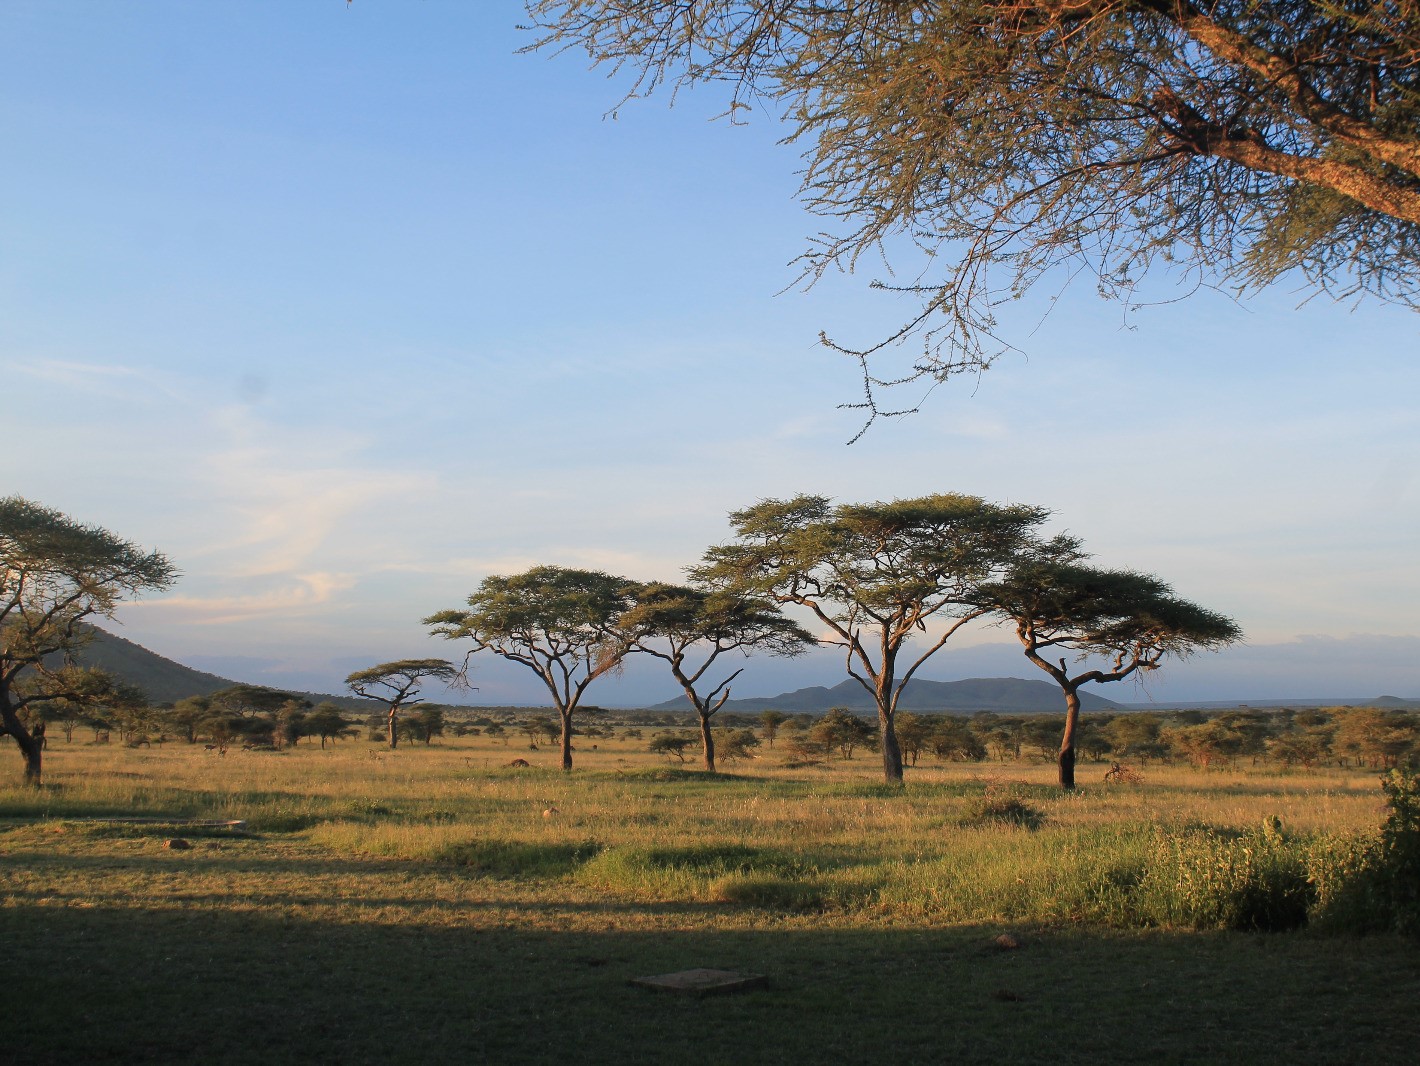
[{"x": 216, "y": 986}]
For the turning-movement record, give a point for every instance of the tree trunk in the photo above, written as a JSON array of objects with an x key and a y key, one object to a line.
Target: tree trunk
[
  {"x": 32, "y": 751},
  {"x": 707, "y": 743},
  {"x": 892, "y": 751},
  {"x": 1067, "y": 741},
  {"x": 34, "y": 757},
  {"x": 567, "y": 741},
  {"x": 394, "y": 731}
]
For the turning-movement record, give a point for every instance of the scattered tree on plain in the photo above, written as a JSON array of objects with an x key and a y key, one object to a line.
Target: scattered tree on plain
[
  {"x": 328, "y": 722},
  {"x": 769, "y": 723},
  {"x": 1134, "y": 621},
  {"x": 560, "y": 623},
  {"x": 1235, "y": 141},
  {"x": 397, "y": 684},
  {"x": 673, "y": 745},
  {"x": 187, "y": 714},
  {"x": 56, "y": 574},
  {"x": 675, "y": 622},
  {"x": 842, "y": 731},
  {"x": 876, "y": 575}
]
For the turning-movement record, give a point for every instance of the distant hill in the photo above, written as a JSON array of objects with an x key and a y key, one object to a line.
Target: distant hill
[
  {"x": 165, "y": 681},
  {"x": 1006, "y": 695},
  {"x": 162, "y": 680}
]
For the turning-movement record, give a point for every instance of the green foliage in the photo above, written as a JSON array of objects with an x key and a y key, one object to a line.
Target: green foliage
[
  {"x": 56, "y": 575},
  {"x": 876, "y": 575},
  {"x": 1204, "y": 879},
  {"x": 557, "y": 622},
  {"x": 733, "y": 745},
  {"x": 842, "y": 731},
  {"x": 673, "y": 745},
  {"x": 1374, "y": 884}
]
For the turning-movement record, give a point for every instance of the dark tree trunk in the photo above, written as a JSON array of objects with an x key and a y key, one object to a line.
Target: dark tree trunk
[
  {"x": 394, "y": 729},
  {"x": 707, "y": 743},
  {"x": 892, "y": 751},
  {"x": 1067, "y": 741},
  {"x": 567, "y": 741},
  {"x": 34, "y": 758},
  {"x": 30, "y": 748}
]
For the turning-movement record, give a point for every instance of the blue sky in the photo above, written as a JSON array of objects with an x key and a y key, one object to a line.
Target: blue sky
[{"x": 346, "y": 306}]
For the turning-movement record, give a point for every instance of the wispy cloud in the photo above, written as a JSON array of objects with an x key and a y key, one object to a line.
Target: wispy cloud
[
  {"x": 284, "y": 493},
  {"x": 125, "y": 382},
  {"x": 301, "y": 594}
]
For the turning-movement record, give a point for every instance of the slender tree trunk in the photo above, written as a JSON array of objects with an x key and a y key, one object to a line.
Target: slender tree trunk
[
  {"x": 1067, "y": 741},
  {"x": 707, "y": 743},
  {"x": 566, "y": 741},
  {"x": 394, "y": 731},
  {"x": 892, "y": 751}
]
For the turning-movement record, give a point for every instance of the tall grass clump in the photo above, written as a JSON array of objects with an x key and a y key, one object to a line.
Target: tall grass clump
[
  {"x": 728, "y": 873},
  {"x": 1209, "y": 879},
  {"x": 1373, "y": 884},
  {"x": 1003, "y": 803}
]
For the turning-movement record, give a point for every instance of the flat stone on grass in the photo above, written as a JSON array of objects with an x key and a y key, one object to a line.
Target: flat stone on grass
[{"x": 702, "y": 982}]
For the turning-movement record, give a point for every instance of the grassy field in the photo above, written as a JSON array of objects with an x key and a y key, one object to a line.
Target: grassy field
[{"x": 435, "y": 904}]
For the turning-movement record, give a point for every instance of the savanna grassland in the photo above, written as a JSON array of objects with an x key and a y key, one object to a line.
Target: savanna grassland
[{"x": 435, "y": 904}]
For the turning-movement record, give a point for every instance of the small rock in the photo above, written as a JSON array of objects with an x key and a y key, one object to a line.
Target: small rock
[
  {"x": 176, "y": 844},
  {"x": 702, "y": 981}
]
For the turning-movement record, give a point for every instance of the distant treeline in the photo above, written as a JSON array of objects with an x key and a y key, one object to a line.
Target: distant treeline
[{"x": 252, "y": 716}]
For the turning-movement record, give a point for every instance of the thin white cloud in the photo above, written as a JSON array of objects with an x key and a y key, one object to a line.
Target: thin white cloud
[
  {"x": 302, "y": 594},
  {"x": 283, "y": 494},
  {"x": 122, "y": 382}
]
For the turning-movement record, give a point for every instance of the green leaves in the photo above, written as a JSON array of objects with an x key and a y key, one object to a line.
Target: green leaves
[{"x": 566, "y": 605}]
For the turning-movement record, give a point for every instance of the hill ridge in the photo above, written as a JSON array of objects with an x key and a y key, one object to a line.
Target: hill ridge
[
  {"x": 165, "y": 680},
  {"x": 1009, "y": 694}
]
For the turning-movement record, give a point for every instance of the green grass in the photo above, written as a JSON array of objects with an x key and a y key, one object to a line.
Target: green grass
[{"x": 434, "y": 905}]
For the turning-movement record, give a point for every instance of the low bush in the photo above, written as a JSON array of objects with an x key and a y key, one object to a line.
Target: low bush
[
  {"x": 1372, "y": 884},
  {"x": 1208, "y": 879},
  {"x": 1002, "y": 804}
]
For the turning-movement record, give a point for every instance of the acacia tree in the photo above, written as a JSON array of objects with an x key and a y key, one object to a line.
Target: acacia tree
[
  {"x": 875, "y": 575},
  {"x": 251, "y": 711},
  {"x": 328, "y": 722},
  {"x": 690, "y": 629},
  {"x": 55, "y": 575},
  {"x": 396, "y": 685},
  {"x": 1134, "y": 621},
  {"x": 1236, "y": 139},
  {"x": 769, "y": 722},
  {"x": 558, "y": 622}
]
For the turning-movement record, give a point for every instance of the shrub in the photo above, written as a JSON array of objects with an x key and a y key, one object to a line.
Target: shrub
[
  {"x": 1374, "y": 885},
  {"x": 1208, "y": 879},
  {"x": 1003, "y": 804}
]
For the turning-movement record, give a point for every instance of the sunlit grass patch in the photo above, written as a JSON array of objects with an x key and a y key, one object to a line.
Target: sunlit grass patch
[
  {"x": 698, "y": 872},
  {"x": 514, "y": 859}
]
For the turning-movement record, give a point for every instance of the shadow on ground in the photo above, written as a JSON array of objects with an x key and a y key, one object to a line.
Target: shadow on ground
[{"x": 204, "y": 984}]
